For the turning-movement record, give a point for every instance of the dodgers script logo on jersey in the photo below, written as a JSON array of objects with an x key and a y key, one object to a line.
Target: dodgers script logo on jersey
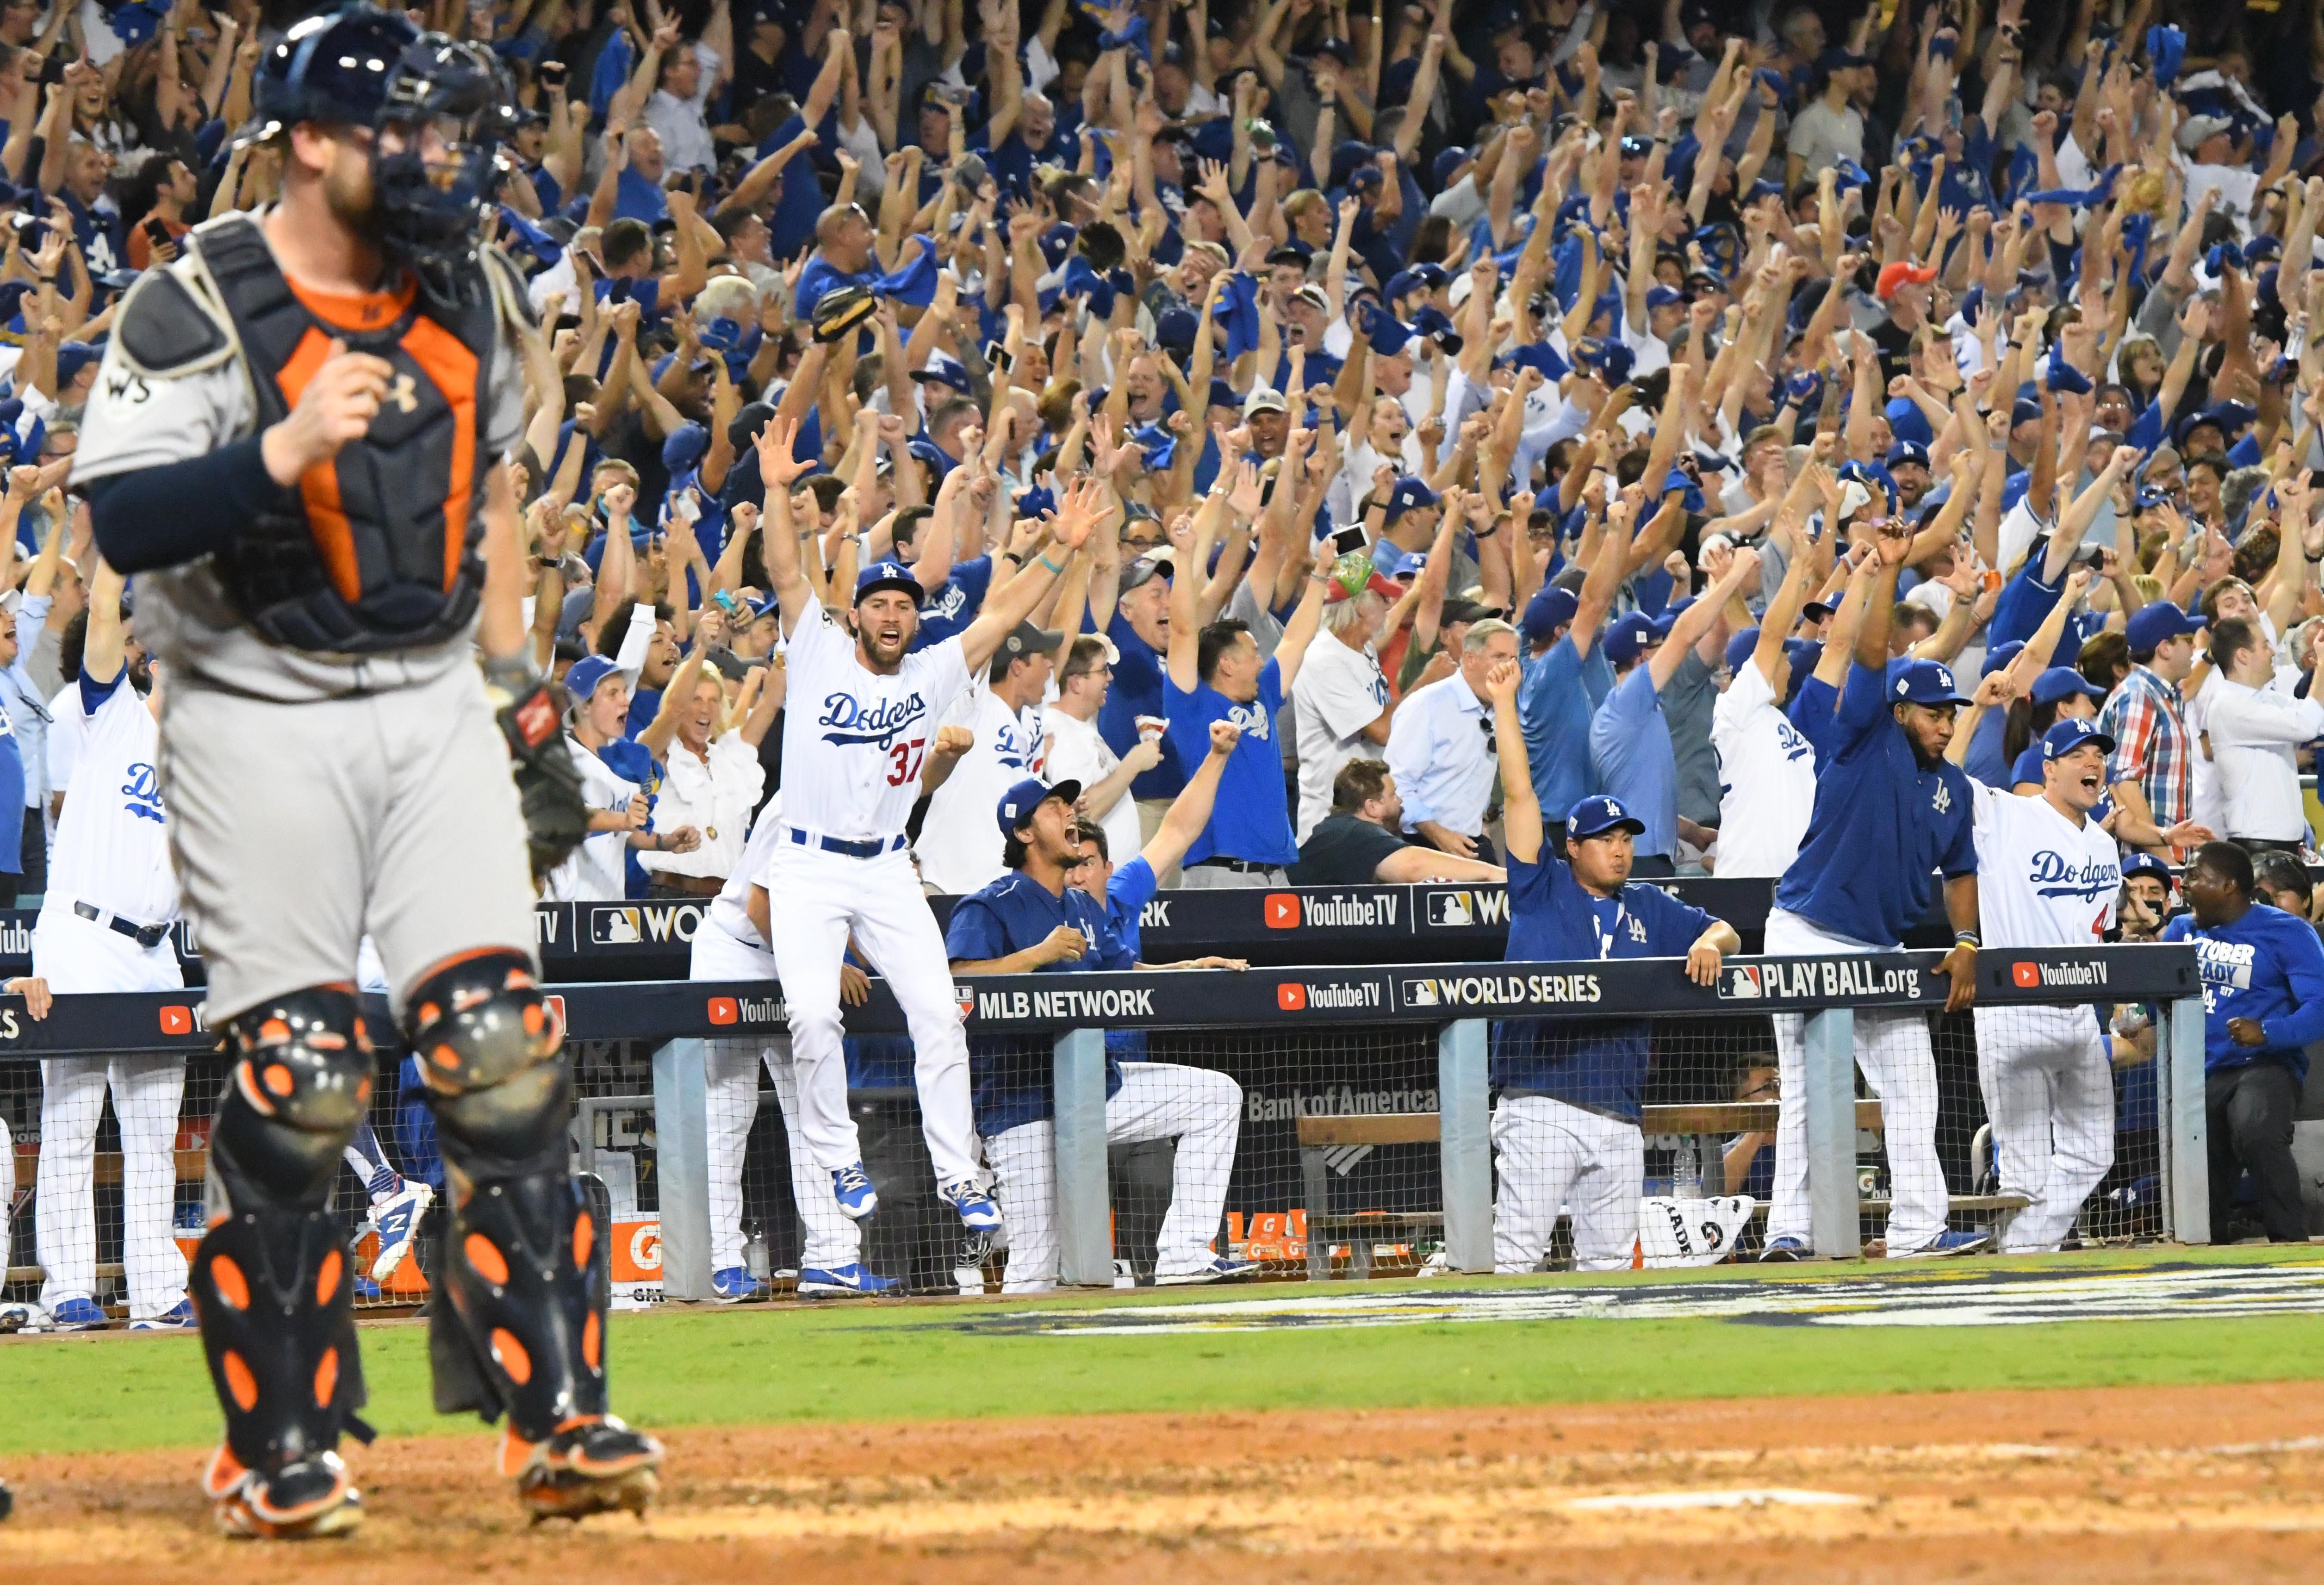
[
  {"x": 1251, "y": 719},
  {"x": 143, "y": 792},
  {"x": 848, "y": 720},
  {"x": 2053, "y": 874}
]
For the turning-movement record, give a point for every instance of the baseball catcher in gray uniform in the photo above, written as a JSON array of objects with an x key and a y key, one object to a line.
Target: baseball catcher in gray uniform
[{"x": 295, "y": 442}]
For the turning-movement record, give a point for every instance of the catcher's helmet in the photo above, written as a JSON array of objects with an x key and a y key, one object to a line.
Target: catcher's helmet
[{"x": 438, "y": 108}]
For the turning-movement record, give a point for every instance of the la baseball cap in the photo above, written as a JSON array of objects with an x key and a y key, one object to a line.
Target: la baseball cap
[
  {"x": 1409, "y": 494},
  {"x": 1739, "y": 648},
  {"x": 2062, "y": 682},
  {"x": 1018, "y": 804},
  {"x": 2064, "y": 738},
  {"x": 1925, "y": 682},
  {"x": 582, "y": 679},
  {"x": 1548, "y": 611},
  {"x": 2137, "y": 863},
  {"x": 1904, "y": 451},
  {"x": 2156, "y": 624},
  {"x": 1600, "y": 814},
  {"x": 888, "y": 575},
  {"x": 1627, "y": 639}
]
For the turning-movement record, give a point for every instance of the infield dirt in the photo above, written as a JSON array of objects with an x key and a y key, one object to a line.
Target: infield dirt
[{"x": 2195, "y": 1483}]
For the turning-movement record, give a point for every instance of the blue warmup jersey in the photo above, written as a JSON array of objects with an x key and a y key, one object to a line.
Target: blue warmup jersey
[
  {"x": 1012, "y": 1079},
  {"x": 1812, "y": 711},
  {"x": 1596, "y": 1064},
  {"x": 1251, "y": 819},
  {"x": 2268, "y": 965},
  {"x": 1882, "y": 826}
]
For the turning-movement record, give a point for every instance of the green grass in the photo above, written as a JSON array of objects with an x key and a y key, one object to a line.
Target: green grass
[{"x": 790, "y": 1363}]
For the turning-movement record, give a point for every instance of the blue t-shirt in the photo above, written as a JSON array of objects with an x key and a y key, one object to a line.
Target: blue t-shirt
[
  {"x": 1137, "y": 690},
  {"x": 12, "y": 791},
  {"x": 948, "y": 612},
  {"x": 1251, "y": 819},
  {"x": 800, "y": 205},
  {"x": 636, "y": 198},
  {"x": 2268, "y": 965},
  {"x": 1012, "y": 1078},
  {"x": 1596, "y": 1064},
  {"x": 1883, "y": 824},
  {"x": 1987, "y": 761},
  {"x": 1561, "y": 691},
  {"x": 819, "y": 276},
  {"x": 1631, "y": 750}
]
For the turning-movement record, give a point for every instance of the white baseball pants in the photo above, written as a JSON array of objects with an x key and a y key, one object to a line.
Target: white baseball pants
[
  {"x": 1551, "y": 1158},
  {"x": 2048, "y": 1095},
  {"x": 818, "y": 898},
  {"x": 1899, "y": 1066},
  {"x": 1202, "y": 1110},
  {"x": 79, "y": 957}
]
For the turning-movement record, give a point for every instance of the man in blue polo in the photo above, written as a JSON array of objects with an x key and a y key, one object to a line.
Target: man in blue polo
[
  {"x": 1565, "y": 1127},
  {"x": 1035, "y": 920},
  {"x": 1566, "y": 674},
  {"x": 1890, "y": 812}
]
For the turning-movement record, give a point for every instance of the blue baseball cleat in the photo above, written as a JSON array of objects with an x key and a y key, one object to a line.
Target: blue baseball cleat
[
  {"x": 852, "y": 1187},
  {"x": 978, "y": 1213},
  {"x": 178, "y": 1317},
  {"x": 73, "y": 1315},
  {"x": 397, "y": 1217},
  {"x": 1786, "y": 1248},
  {"x": 853, "y": 1280},
  {"x": 1220, "y": 1269},
  {"x": 1951, "y": 1244},
  {"x": 734, "y": 1285},
  {"x": 367, "y": 1292}
]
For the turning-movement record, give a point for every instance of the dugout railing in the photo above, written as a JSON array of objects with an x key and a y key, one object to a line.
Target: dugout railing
[{"x": 1387, "y": 1066}]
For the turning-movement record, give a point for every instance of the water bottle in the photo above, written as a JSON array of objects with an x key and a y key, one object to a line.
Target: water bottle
[{"x": 1687, "y": 1171}]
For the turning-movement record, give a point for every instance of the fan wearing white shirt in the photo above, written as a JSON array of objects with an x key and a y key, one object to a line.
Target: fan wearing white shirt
[
  {"x": 959, "y": 846},
  {"x": 1342, "y": 694},
  {"x": 711, "y": 781},
  {"x": 106, "y": 926},
  {"x": 1441, "y": 747},
  {"x": 1075, "y": 750},
  {"x": 1766, "y": 767},
  {"x": 2255, "y": 732}
]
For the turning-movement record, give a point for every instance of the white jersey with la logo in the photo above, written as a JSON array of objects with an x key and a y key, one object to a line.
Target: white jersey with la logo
[
  {"x": 111, "y": 850},
  {"x": 1767, "y": 778},
  {"x": 960, "y": 843},
  {"x": 855, "y": 738}
]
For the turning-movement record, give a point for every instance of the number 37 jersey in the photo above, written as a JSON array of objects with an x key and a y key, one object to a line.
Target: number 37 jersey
[{"x": 854, "y": 739}]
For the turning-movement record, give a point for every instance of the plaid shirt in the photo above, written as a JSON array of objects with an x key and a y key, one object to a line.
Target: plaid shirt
[{"x": 2149, "y": 727}]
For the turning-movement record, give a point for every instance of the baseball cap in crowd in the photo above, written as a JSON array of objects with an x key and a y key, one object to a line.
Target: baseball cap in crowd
[
  {"x": 1409, "y": 494},
  {"x": 1291, "y": 252},
  {"x": 2025, "y": 410},
  {"x": 2154, "y": 625},
  {"x": 1026, "y": 639},
  {"x": 1901, "y": 273},
  {"x": 2136, "y": 864},
  {"x": 2197, "y": 130},
  {"x": 1739, "y": 648},
  {"x": 1263, "y": 399},
  {"x": 1143, "y": 570},
  {"x": 1905, "y": 451},
  {"x": 1353, "y": 573},
  {"x": 1925, "y": 682},
  {"x": 1610, "y": 359},
  {"x": 1841, "y": 61},
  {"x": 1547, "y": 612},
  {"x": 1628, "y": 637},
  {"x": 1461, "y": 608},
  {"x": 944, "y": 371},
  {"x": 888, "y": 575},
  {"x": 1018, "y": 804},
  {"x": 1448, "y": 163},
  {"x": 684, "y": 449},
  {"x": 581, "y": 681},
  {"x": 2062, "y": 682},
  {"x": 1999, "y": 656},
  {"x": 1600, "y": 814},
  {"x": 1817, "y": 611},
  {"x": 1659, "y": 296},
  {"x": 2064, "y": 738}
]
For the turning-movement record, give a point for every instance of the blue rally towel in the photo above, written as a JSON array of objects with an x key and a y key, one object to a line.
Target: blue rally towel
[
  {"x": 914, "y": 283},
  {"x": 1239, "y": 312}
]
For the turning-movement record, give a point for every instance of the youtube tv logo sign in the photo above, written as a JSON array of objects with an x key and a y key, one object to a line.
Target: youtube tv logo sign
[
  {"x": 177, "y": 1020},
  {"x": 2028, "y": 975},
  {"x": 1282, "y": 911},
  {"x": 1291, "y": 997},
  {"x": 725, "y": 1010}
]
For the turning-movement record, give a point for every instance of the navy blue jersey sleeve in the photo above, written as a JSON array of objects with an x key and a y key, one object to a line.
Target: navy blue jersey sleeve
[
  {"x": 1531, "y": 882},
  {"x": 1672, "y": 927},
  {"x": 1131, "y": 887},
  {"x": 1863, "y": 707},
  {"x": 975, "y": 931},
  {"x": 94, "y": 693}
]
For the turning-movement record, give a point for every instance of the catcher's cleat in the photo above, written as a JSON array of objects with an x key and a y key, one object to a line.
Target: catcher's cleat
[
  {"x": 592, "y": 1465},
  {"x": 298, "y": 1502}
]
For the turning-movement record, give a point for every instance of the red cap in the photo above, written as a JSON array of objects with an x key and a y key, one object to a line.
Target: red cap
[{"x": 1893, "y": 276}]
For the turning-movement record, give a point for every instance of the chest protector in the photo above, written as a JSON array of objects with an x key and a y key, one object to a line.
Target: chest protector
[{"x": 379, "y": 548}]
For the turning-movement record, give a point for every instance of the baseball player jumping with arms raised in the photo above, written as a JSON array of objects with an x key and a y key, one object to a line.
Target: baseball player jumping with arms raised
[
  {"x": 295, "y": 443},
  {"x": 1890, "y": 813},
  {"x": 865, "y": 709}
]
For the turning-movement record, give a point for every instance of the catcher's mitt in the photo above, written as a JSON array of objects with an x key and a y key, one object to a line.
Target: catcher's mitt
[{"x": 532, "y": 716}]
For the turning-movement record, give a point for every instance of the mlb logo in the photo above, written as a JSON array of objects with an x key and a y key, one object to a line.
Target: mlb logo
[
  {"x": 2026, "y": 975},
  {"x": 615, "y": 928},
  {"x": 1420, "y": 994},
  {"x": 723, "y": 1010},
  {"x": 177, "y": 1020},
  {"x": 964, "y": 998},
  {"x": 1282, "y": 911},
  {"x": 1291, "y": 997},
  {"x": 1742, "y": 983},
  {"x": 1454, "y": 909}
]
